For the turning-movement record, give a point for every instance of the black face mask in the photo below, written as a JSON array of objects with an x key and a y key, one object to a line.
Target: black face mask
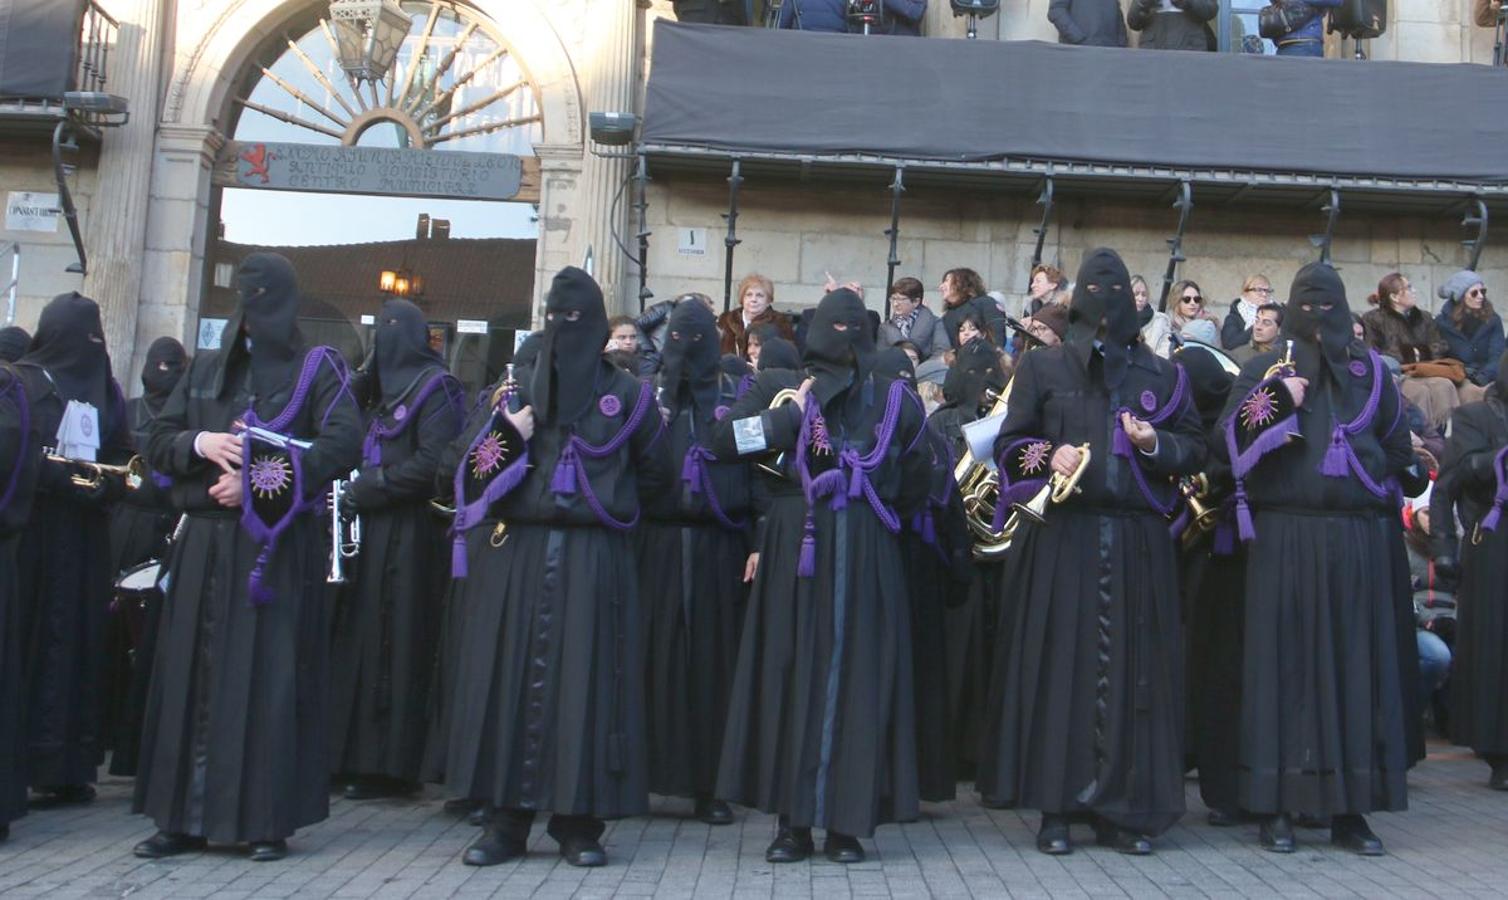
[
  {"x": 690, "y": 360},
  {"x": 778, "y": 353},
  {"x": 166, "y": 362},
  {"x": 268, "y": 316},
  {"x": 564, "y": 381},
  {"x": 839, "y": 350},
  {"x": 1322, "y": 334},
  {"x": 1104, "y": 308},
  {"x": 976, "y": 368},
  {"x": 70, "y": 345},
  {"x": 401, "y": 349},
  {"x": 892, "y": 364},
  {"x": 13, "y": 343}
]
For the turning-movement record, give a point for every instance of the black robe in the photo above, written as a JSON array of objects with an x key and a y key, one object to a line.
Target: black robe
[
  {"x": 234, "y": 747},
  {"x": 1326, "y": 701},
  {"x": 387, "y": 618},
  {"x": 548, "y": 708},
  {"x": 1465, "y": 489},
  {"x": 821, "y": 720},
  {"x": 139, "y": 527},
  {"x": 20, "y": 456},
  {"x": 65, "y": 589},
  {"x": 691, "y": 567},
  {"x": 1086, "y": 703}
]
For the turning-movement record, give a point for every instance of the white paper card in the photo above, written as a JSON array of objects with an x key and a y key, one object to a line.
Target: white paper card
[
  {"x": 78, "y": 432},
  {"x": 748, "y": 435},
  {"x": 980, "y": 436}
]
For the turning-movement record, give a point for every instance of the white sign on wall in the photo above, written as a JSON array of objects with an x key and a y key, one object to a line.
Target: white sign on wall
[
  {"x": 471, "y": 326},
  {"x": 691, "y": 241},
  {"x": 31, "y": 211},
  {"x": 210, "y": 331}
]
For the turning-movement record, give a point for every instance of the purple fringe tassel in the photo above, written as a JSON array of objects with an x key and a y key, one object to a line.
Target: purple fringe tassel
[
  {"x": 1334, "y": 464},
  {"x": 261, "y": 594},
  {"x": 806, "y": 564},
  {"x": 564, "y": 480},
  {"x": 458, "y": 567}
]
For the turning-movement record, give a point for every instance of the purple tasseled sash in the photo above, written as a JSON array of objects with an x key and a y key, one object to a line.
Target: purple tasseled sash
[
  {"x": 379, "y": 433},
  {"x": 469, "y": 514},
  {"x": 744, "y": 385},
  {"x": 1340, "y": 459},
  {"x": 1500, "y": 472},
  {"x": 697, "y": 474},
  {"x": 23, "y": 411},
  {"x": 262, "y": 532},
  {"x": 1121, "y": 442},
  {"x": 570, "y": 470},
  {"x": 831, "y": 484}
]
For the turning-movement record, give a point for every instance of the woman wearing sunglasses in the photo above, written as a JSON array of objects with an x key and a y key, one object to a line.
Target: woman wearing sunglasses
[
  {"x": 1472, "y": 330},
  {"x": 1187, "y": 303}
]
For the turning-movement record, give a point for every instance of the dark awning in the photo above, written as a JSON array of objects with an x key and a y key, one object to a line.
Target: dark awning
[
  {"x": 968, "y": 112},
  {"x": 39, "y": 47}
]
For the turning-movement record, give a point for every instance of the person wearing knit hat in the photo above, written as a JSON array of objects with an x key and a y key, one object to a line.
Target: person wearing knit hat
[
  {"x": 1472, "y": 330},
  {"x": 1201, "y": 330},
  {"x": 13, "y": 343}
]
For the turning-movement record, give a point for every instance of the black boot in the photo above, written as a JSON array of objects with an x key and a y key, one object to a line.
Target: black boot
[
  {"x": 842, "y": 848},
  {"x": 268, "y": 851},
  {"x": 713, "y": 812},
  {"x": 1052, "y": 837},
  {"x": 1276, "y": 835},
  {"x": 378, "y": 787},
  {"x": 582, "y": 851},
  {"x": 63, "y": 795},
  {"x": 164, "y": 844},
  {"x": 1352, "y": 833},
  {"x": 1498, "y": 780},
  {"x": 493, "y": 848},
  {"x": 1121, "y": 840},
  {"x": 791, "y": 845}
]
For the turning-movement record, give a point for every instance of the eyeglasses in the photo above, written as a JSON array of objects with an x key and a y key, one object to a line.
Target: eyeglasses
[{"x": 1261, "y": 290}]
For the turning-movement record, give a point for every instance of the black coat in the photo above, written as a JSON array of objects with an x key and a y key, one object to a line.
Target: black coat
[
  {"x": 1478, "y": 351},
  {"x": 1186, "y": 28},
  {"x": 20, "y": 455},
  {"x": 1097, "y": 23},
  {"x": 982, "y": 306}
]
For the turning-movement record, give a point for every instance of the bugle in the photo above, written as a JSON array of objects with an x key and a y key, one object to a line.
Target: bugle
[{"x": 90, "y": 475}]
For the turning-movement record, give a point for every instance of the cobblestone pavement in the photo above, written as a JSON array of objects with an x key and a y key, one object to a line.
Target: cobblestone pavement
[{"x": 1453, "y": 842}]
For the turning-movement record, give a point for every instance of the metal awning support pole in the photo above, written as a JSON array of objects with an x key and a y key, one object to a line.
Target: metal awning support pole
[
  {"x": 641, "y": 178},
  {"x": 1044, "y": 200},
  {"x": 897, "y": 187},
  {"x": 731, "y": 240},
  {"x": 14, "y": 249},
  {"x": 1185, "y": 206},
  {"x": 1323, "y": 241},
  {"x": 60, "y": 171},
  {"x": 1473, "y": 245}
]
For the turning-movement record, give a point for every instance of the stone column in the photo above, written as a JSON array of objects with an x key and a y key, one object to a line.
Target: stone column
[
  {"x": 115, "y": 234},
  {"x": 559, "y": 180},
  {"x": 610, "y": 76}
]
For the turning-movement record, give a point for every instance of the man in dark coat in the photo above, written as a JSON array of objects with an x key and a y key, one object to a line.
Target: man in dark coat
[
  {"x": 548, "y": 709},
  {"x": 1091, "y": 23},
  {"x": 821, "y": 725},
  {"x": 691, "y": 552},
  {"x": 139, "y": 527},
  {"x": 1325, "y": 703},
  {"x": 712, "y": 12},
  {"x": 20, "y": 455},
  {"x": 386, "y": 628},
  {"x": 1174, "y": 24},
  {"x": 900, "y": 16},
  {"x": 1085, "y": 715},
  {"x": 65, "y": 576},
  {"x": 234, "y": 748}
]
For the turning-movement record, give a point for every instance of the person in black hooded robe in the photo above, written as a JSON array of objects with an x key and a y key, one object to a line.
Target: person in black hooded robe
[
  {"x": 691, "y": 551},
  {"x": 970, "y": 625},
  {"x": 1472, "y": 489},
  {"x": 1085, "y": 716},
  {"x": 548, "y": 709},
  {"x": 65, "y": 576},
  {"x": 13, "y": 343},
  {"x": 821, "y": 720},
  {"x": 20, "y": 456},
  {"x": 1325, "y": 699},
  {"x": 234, "y": 746},
  {"x": 139, "y": 527},
  {"x": 386, "y": 630}
]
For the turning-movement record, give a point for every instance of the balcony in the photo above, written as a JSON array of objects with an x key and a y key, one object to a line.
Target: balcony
[{"x": 41, "y": 86}]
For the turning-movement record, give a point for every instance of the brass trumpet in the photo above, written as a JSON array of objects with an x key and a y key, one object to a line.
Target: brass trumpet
[
  {"x": 1284, "y": 366},
  {"x": 1202, "y": 516},
  {"x": 90, "y": 475},
  {"x": 775, "y": 465},
  {"x": 1059, "y": 489}
]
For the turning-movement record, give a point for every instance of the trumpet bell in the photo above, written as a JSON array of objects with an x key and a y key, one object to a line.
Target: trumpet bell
[{"x": 1035, "y": 509}]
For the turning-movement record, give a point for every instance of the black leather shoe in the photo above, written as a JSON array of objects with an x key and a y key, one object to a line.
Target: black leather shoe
[
  {"x": 63, "y": 795},
  {"x": 1122, "y": 840},
  {"x": 713, "y": 812},
  {"x": 378, "y": 788},
  {"x": 164, "y": 844},
  {"x": 1352, "y": 833},
  {"x": 583, "y": 852},
  {"x": 791, "y": 845},
  {"x": 1498, "y": 780},
  {"x": 479, "y": 816},
  {"x": 492, "y": 848},
  {"x": 842, "y": 848},
  {"x": 1052, "y": 837},
  {"x": 1276, "y": 835},
  {"x": 1224, "y": 818},
  {"x": 268, "y": 851}
]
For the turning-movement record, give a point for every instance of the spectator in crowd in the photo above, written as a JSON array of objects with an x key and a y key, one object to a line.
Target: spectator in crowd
[
  {"x": 963, "y": 292},
  {"x": 622, "y": 334},
  {"x": 1472, "y": 330},
  {"x": 13, "y": 343},
  {"x": 1486, "y": 12},
  {"x": 1199, "y": 331},
  {"x": 1255, "y": 291},
  {"x": 756, "y": 306},
  {"x": 712, "y": 12},
  {"x": 1400, "y": 329},
  {"x": 1046, "y": 281},
  {"x": 625, "y": 350},
  {"x": 1430, "y": 592},
  {"x": 1049, "y": 324},
  {"x": 1155, "y": 328},
  {"x": 1095, "y": 23},
  {"x": 900, "y": 16},
  {"x": 1174, "y": 24},
  {"x": 911, "y": 320},
  {"x": 1306, "y": 26},
  {"x": 1189, "y": 300},
  {"x": 1265, "y": 329}
]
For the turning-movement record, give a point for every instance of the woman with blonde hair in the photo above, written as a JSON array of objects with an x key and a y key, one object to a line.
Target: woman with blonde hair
[
  {"x": 1155, "y": 330},
  {"x": 756, "y": 306},
  {"x": 1188, "y": 302},
  {"x": 1256, "y": 292}
]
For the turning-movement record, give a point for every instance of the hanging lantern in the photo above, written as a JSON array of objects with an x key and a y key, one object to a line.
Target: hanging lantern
[{"x": 368, "y": 34}]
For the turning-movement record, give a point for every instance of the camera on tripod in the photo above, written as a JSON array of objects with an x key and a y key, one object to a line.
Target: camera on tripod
[
  {"x": 866, "y": 15},
  {"x": 975, "y": 10}
]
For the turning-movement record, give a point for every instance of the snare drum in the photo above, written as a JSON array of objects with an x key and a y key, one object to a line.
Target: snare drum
[{"x": 131, "y": 593}]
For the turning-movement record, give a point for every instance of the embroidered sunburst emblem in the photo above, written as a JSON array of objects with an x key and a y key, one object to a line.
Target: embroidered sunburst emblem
[
  {"x": 1259, "y": 409},
  {"x": 1034, "y": 457},
  {"x": 270, "y": 476},
  {"x": 487, "y": 456}
]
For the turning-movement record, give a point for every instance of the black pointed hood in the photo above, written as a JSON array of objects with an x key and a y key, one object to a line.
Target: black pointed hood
[
  {"x": 264, "y": 328},
  {"x": 564, "y": 381},
  {"x": 975, "y": 368},
  {"x": 400, "y": 349},
  {"x": 691, "y": 360},
  {"x": 779, "y": 353},
  {"x": 70, "y": 345},
  {"x": 1322, "y": 333},
  {"x": 892, "y": 364},
  {"x": 839, "y": 351},
  {"x": 166, "y": 363},
  {"x": 1104, "y": 308},
  {"x": 13, "y": 343}
]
